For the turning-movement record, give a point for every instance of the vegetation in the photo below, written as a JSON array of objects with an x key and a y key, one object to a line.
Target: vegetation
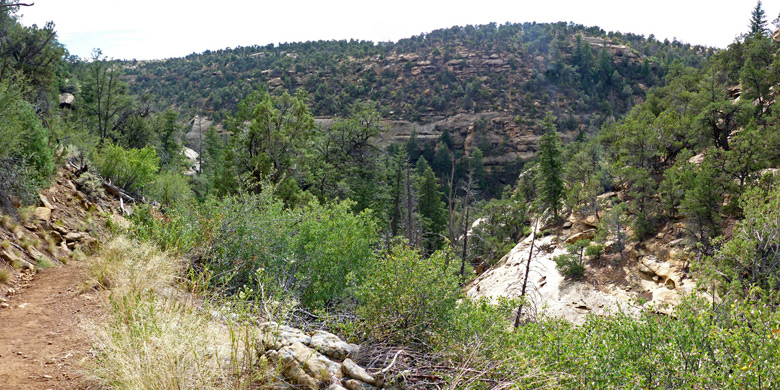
[{"x": 281, "y": 219}]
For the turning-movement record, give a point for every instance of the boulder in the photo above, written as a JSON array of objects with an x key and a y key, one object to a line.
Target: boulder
[
  {"x": 316, "y": 364},
  {"x": 275, "y": 336},
  {"x": 42, "y": 214},
  {"x": 352, "y": 370},
  {"x": 586, "y": 235},
  {"x": 10, "y": 257},
  {"x": 76, "y": 237},
  {"x": 332, "y": 346}
]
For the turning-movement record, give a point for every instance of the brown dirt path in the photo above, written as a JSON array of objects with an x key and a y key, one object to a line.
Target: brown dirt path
[{"x": 41, "y": 342}]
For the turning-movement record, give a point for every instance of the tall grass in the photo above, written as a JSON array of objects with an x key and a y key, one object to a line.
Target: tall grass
[{"x": 157, "y": 337}]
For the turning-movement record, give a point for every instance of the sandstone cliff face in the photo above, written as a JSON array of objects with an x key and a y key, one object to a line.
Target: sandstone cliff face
[{"x": 650, "y": 275}]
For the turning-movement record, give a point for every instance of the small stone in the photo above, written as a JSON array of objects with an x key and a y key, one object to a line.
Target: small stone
[
  {"x": 354, "y": 384},
  {"x": 46, "y": 376},
  {"x": 4, "y": 305},
  {"x": 45, "y": 202},
  {"x": 352, "y": 370}
]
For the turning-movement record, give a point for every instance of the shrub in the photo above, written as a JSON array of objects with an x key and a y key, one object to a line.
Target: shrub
[
  {"x": 572, "y": 264},
  {"x": 406, "y": 296},
  {"x": 131, "y": 169},
  {"x": 25, "y": 152},
  {"x": 594, "y": 251},
  {"x": 332, "y": 245},
  {"x": 169, "y": 188}
]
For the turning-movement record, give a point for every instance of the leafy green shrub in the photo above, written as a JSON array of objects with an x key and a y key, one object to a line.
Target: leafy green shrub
[
  {"x": 332, "y": 245},
  {"x": 131, "y": 169},
  {"x": 26, "y": 157},
  {"x": 406, "y": 296},
  {"x": 594, "y": 250},
  {"x": 572, "y": 264},
  {"x": 752, "y": 257},
  {"x": 169, "y": 188},
  {"x": 312, "y": 251}
]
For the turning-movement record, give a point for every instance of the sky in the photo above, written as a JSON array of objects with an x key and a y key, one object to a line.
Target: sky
[{"x": 158, "y": 29}]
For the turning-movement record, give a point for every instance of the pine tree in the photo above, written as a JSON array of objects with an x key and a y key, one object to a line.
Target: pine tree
[
  {"x": 758, "y": 23},
  {"x": 551, "y": 167},
  {"x": 431, "y": 207}
]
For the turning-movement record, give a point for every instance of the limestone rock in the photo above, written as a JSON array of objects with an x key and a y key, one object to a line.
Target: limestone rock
[
  {"x": 352, "y": 370},
  {"x": 11, "y": 257},
  {"x": 292, "y": 370},
  {"x": 332, "y": 346},
  {"x": 586, "y": 235},
  {"x": 76, "y": 237},
  {"x": 276, "y": 336},
  {"x": 336, "y": 386},
  {"x": 45, "y": 202},
  {"x": 42, "y": 214},
  {"x": 354, "y": 384},
  {"x": 316, "y": 364}
]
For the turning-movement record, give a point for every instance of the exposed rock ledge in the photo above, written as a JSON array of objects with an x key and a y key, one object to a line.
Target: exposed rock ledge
[
  {"x": 651, "y": 276},
  {"x": 311, "y": 361}
]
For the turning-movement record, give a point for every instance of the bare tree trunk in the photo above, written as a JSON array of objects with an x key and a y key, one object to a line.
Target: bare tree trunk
[
  {"x": 525, "y": 277},
  {"x": 451, "y": 201},
  {"x": 409, "y": 222},
  {"x": 465, "y": 231}
]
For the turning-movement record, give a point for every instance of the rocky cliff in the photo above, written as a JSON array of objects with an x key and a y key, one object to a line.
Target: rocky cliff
[{"x": 651, "y": 274}]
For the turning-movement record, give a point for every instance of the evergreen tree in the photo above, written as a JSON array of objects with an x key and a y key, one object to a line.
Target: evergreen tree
[
  {"x": 551, "y": 167},
  {"x": 431, "y": 207},
  {"x": 758, "y": 23}
]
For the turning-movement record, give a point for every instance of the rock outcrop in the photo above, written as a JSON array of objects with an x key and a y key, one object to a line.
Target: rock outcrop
[
  {"x": 652, "y": 273},
  {"x": 311, "y": 361}
]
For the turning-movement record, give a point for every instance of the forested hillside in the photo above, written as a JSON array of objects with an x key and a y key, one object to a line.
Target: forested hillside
[
  {"x": 364, "y": 188},
  {"x": 570, "y": 69}
]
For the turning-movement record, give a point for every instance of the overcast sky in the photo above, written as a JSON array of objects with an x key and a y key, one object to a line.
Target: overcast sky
[{"x": 156, "y": 29}]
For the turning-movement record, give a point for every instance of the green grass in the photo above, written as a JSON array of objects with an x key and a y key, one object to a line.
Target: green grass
[{"x": 43, "y": 262}]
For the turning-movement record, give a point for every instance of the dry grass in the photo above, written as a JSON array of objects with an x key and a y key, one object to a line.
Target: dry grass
[
  {"x": 154, "y": 335},
  {"x": 5, "y": 274},
  {"x": 8, "y": 222},
  {"x": 26, "y": 213}
]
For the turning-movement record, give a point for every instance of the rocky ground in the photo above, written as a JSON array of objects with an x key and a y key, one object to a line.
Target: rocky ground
[{"x": 652, "y": 273}]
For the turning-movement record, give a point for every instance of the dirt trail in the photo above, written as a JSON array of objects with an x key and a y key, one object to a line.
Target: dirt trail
[{"x": 41, "y": 342}]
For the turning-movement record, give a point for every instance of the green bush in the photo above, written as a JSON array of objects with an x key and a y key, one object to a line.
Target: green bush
[
  {"x": 332, "y": 245},
  {"x": 406, "y": 296},
  {"x": 26, "y": 157},
  {"x": 131, "y": 169},
  {"x": 312, "y": 251},
  {"x": 594, "y": 250},
  {"x": 169, "y": 188},
  {"x": 572, "y": 264}
]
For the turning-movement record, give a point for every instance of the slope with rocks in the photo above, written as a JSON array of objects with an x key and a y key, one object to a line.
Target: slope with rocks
[
  {"x": 651, "y": 273},
  {"x": 52, "y": 307}
]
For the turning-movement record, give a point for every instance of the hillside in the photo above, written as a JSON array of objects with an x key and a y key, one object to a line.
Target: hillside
[
  {"x": 535, "y": 206},
  {"x": 487, "y": 85}
]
